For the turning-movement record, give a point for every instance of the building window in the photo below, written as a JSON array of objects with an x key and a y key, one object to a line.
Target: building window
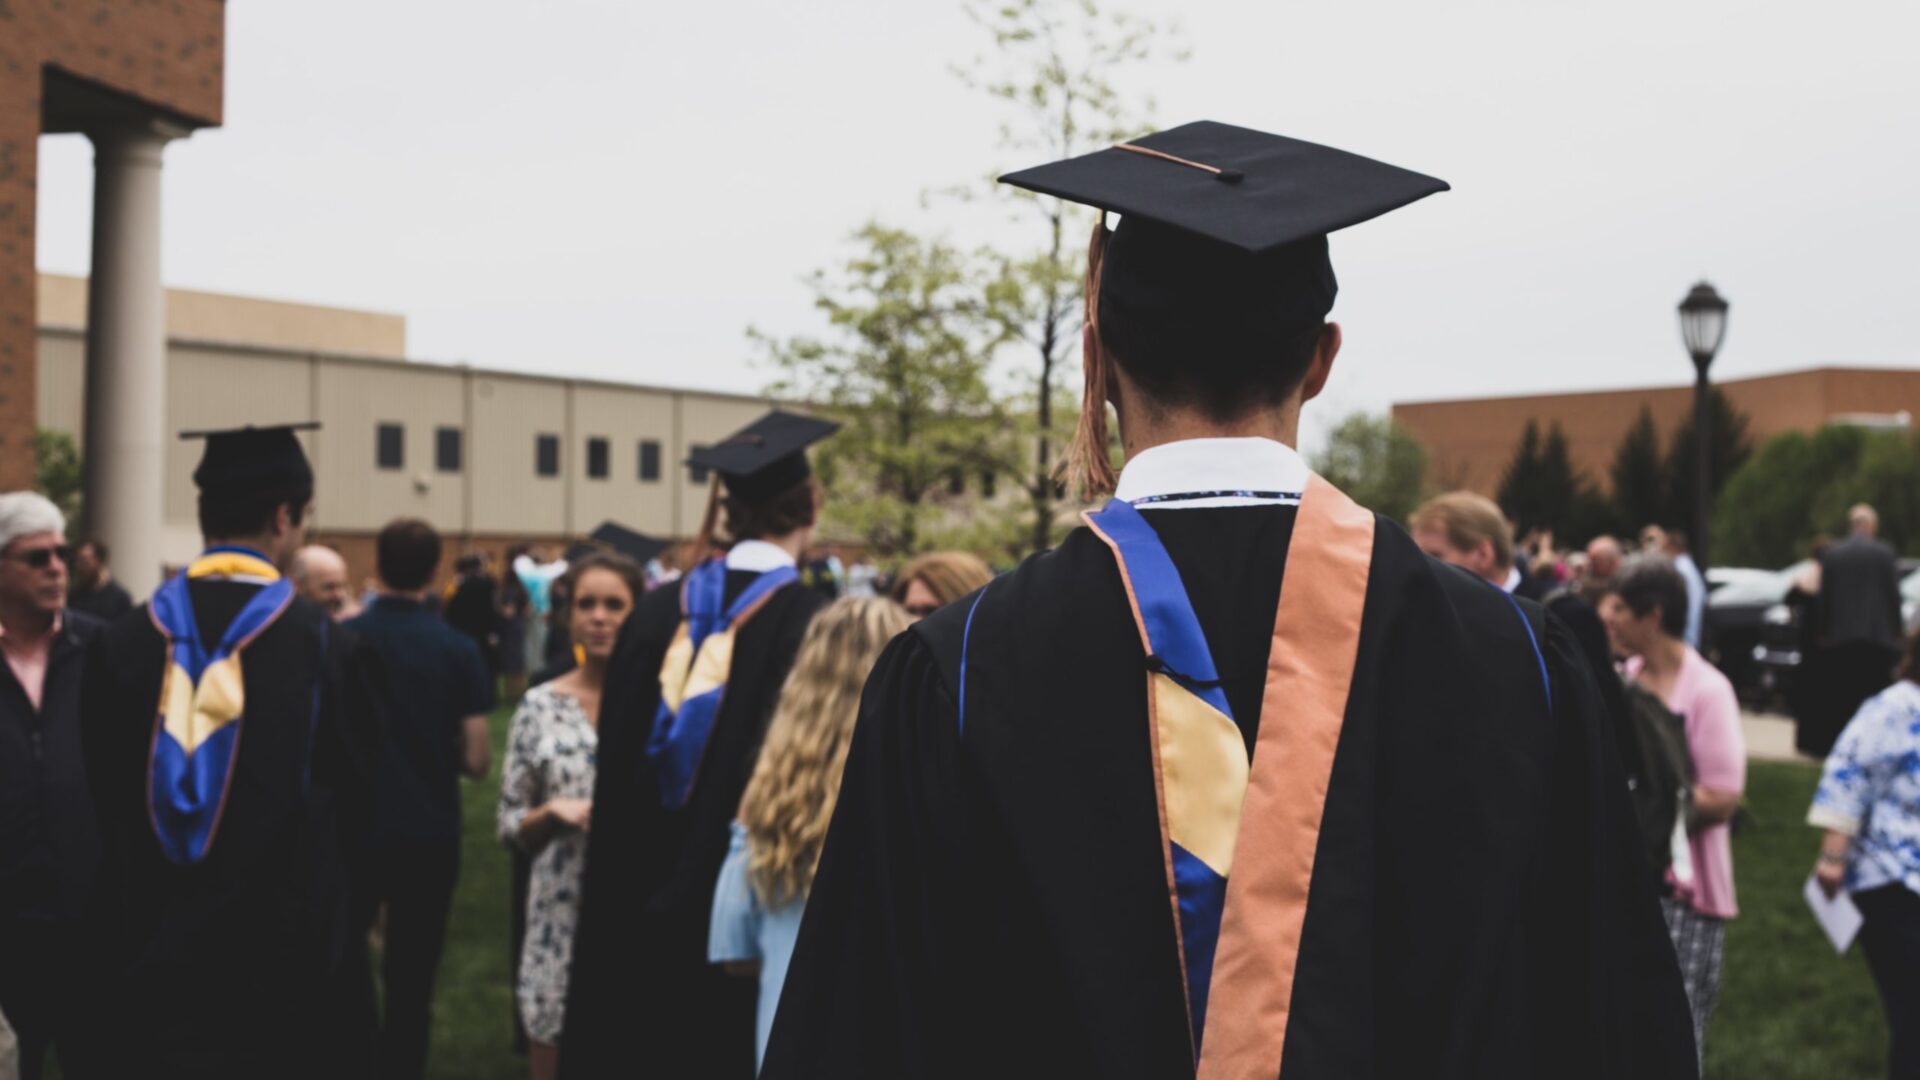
[
  {"x": 390, "y": 450},
  {"x": 596, "y": 458},
  {"x": 696, "y": 473},
  {"x": 957, "y": 482},
  {"x": 989, "y": 483},
  {"x": 546, "y": 455},
  {"x": 446, "y": 449},
  {"x": 649, "y": 459}
]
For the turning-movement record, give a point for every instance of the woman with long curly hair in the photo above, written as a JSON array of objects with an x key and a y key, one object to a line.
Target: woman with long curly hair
[{"x": 763, "y": 884}]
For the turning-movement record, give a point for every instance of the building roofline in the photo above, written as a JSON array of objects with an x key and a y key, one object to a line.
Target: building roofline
[
  {"x": 432, "y": 367},
  {"x": 1823, "y": 369}
]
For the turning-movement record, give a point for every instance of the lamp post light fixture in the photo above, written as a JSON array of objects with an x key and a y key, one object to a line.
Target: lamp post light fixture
[{"x": 1703, "y": 326}]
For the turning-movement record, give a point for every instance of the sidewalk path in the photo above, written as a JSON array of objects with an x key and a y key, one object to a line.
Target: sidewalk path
[{"x": 1770, "y": 738}]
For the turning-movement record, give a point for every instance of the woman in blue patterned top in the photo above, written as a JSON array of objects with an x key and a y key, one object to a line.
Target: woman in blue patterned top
[{"x": 1869, "y": 803}]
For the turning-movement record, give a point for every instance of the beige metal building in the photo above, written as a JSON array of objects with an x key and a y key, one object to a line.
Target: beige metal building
[{"x": 491, "y": 458}]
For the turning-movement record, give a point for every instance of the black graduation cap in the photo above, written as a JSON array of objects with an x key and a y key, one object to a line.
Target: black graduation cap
[
  {"x": 252, "y": 459},
  {"x": 766, "y": 457},
  {"x": 1217, "y": 220},
  {"x": 614, "y": 536}
]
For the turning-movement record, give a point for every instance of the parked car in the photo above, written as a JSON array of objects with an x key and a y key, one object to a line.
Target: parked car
[{"x": 1741, "y": 639}]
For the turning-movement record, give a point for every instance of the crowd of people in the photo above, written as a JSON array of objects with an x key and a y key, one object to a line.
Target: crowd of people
[{"x": 1239, "y": 774}]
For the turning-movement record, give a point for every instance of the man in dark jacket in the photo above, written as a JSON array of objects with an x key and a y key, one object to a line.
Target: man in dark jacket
[
  {"x": 93, "y": 589},
  {"x": 48, "y": 847},
  {"x": 1857, "y": 630}
]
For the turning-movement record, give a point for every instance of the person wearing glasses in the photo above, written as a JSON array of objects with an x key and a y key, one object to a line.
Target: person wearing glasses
[
  {"x": 48, "y": 847},
  {"x": 937, "y": 579}
]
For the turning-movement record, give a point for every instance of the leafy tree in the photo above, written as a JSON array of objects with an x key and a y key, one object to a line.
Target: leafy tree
[
  {"x": 905, "y": 369},
  {"x": 56, "y": 471},
  {"x": 1888, "y": 479},
  {"x": 1799, "y": 486},
  {"x": 1639, "y": 476},
  {"x": 1731, "y": 446},
  {"x": 1376, "y": 462},
  {"x": 1053, "y": 69}
]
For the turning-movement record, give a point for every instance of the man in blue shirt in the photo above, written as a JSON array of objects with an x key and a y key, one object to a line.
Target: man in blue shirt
[
  {"x": 1674, "y": 546},
  {"x": 437, "y": 695}
]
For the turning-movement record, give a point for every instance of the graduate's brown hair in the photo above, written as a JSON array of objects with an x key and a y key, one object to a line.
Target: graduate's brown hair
[{"x": 1226, "y": 369}]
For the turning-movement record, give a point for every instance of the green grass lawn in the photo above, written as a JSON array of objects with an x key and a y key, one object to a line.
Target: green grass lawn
[
  {"x": 473, "y": 1007},
  {"x": 1789, "y": 1008}
]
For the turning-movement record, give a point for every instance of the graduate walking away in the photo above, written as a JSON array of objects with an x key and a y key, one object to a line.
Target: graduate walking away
[
  {"x": 229, "y": 733},
  {"x": 1236, "y": 782},
  {"x": 690, "y": 691}
]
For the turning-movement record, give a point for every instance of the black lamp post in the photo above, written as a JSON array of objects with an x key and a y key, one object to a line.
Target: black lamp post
[{"x": 1703, "y": 325}]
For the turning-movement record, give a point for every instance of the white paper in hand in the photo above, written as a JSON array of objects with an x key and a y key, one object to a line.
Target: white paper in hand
[{"x": 1838, "y": 917}]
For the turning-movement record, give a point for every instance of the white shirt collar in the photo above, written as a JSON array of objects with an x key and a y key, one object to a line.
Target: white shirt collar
[
  {"x": 1513, "y": 579},
  {"x": 758, "y": 556},
  {"x": 1200, "y": 473}
]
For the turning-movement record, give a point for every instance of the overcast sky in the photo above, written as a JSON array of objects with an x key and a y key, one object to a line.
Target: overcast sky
[{"x": 617, "y": 189}]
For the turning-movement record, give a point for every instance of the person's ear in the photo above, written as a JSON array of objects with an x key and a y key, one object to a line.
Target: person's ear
[{"x": 1320, "y": 368}]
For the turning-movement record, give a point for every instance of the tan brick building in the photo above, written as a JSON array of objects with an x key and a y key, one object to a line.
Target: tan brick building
[
  {"x": 1469, "y": 442},
  {"x": 490, "y": 458}
]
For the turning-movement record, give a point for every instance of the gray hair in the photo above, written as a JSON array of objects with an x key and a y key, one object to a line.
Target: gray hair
[{"x": 28, "y": 513}]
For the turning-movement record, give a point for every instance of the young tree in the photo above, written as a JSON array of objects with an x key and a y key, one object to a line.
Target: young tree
[
  {"x": 1376, "y": 462},
  {"x": 56, "y": 471},
  {"x": 1639, "y": 477},
  {"x": 1053, "y": 69},
  {"x": 905, "y": 370}
]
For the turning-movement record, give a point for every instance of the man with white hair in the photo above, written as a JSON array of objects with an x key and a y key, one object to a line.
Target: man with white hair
[
  {"x": 320, "y": 575},
  {"x": 49, "y": 849},
  {"x": 1857, "y": 631}
]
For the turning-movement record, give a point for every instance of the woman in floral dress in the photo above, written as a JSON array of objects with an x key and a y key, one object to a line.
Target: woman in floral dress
[{"x": 546, "y": 794}]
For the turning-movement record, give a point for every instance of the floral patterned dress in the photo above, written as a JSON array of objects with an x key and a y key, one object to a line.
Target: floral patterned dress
[{"x": 550, "y": 755}]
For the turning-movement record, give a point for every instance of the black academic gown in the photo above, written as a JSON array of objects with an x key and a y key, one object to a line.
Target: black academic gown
[
  {"x": 229, "y": 967},
  {"x": 997, "y": 904},
  {"x": 642, "y": 999}
]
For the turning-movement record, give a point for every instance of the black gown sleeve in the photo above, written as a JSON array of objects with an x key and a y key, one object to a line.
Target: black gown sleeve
[
  {"x": 1615, "y": 1003},
  {"x": 872, "y": 987}
]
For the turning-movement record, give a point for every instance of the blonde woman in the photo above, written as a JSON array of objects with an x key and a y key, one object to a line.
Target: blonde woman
[
  {"x": 783, "y": 818},
  {"x": 935, "y": 580}
]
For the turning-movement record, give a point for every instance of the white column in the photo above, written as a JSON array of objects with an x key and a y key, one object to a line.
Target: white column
[{"x": 126, "y": 407}]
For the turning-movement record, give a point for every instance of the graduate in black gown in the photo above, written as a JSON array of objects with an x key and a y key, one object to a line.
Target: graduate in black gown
[
  {"x": 1236, "y": 782},
  {"x": 229, "y": 734},
  {"x": 679, "y": 733}
]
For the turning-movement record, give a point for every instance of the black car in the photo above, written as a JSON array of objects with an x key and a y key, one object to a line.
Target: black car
[{"x": 1743, "y": 641}]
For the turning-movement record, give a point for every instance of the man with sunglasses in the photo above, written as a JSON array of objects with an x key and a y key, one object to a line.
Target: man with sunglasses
[{"x": 48, "y": 847}]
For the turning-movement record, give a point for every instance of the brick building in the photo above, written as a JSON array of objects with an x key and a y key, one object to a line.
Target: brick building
[
  {"x": 132, "y": 75},
  {"x": 1469, "y": 442}
]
